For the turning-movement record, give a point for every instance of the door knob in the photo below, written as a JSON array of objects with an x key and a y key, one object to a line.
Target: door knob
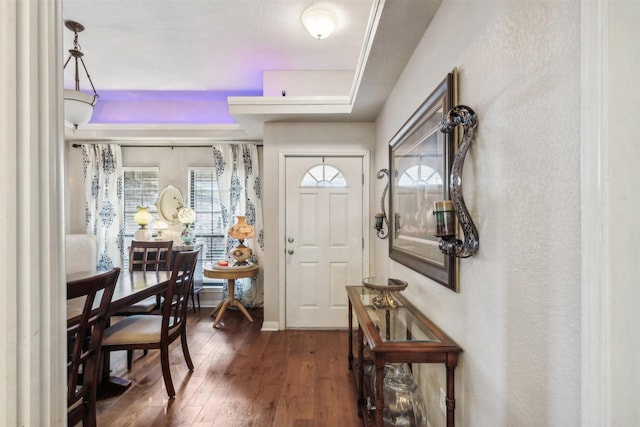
[
  {"x": 290, "y": 251},
  {"x": 290, "y": 239}
]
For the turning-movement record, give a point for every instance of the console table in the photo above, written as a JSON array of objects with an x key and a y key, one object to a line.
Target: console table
[{"x": 399, "y": 334}]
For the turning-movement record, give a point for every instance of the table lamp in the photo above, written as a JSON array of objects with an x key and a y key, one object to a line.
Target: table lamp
[
  {"x": 160, "y": 226},
  {"x": 187, "y": 216},
  {"x": 142, "y": 217},
  {"x": 241, "y": 230}
]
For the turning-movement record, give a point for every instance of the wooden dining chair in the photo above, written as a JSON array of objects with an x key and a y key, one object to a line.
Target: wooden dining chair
[
  {"x": 151, "y": 331},
  {"x": 84, "y": 338},
  {"x": 148, "y": 256},
  {"x": 152, "y": 255}
]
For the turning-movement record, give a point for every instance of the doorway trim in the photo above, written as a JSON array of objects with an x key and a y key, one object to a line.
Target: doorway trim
[{"x": 282, "y": 157}]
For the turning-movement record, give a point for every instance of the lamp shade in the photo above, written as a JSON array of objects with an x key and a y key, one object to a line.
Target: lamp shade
[
  {"x": 160, "y": 225},
  {"x": 319, "y": 21},
  {"x": 186, "y": 215},
  {"x": 78, "y": 107},
  {"x": 142, "y": 216},
  {"x": 241, "y": 230}
]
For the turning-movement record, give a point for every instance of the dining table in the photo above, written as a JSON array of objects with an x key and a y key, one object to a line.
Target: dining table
[{"x": 132, "y": 286}]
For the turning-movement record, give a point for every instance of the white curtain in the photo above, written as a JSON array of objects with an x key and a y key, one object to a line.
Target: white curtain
[
  {"x": 240, "y": 188},
  {"x": 103, "y": 201}
]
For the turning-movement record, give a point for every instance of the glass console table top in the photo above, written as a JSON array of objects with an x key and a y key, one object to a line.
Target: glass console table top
[{"x": 397, "y": 323}]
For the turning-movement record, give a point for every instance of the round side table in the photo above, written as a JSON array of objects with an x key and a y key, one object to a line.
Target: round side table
[{"x": 230, "y": 274}]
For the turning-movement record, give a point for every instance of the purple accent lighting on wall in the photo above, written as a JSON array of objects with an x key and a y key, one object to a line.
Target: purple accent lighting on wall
[{"x": 165, "y": 107}]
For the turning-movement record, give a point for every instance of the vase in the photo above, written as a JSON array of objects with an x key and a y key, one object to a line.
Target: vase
[
  {"x": 241, "y": 254},
  {"x": 188, "y": 235},
  {"x": 403, "y": 401}
]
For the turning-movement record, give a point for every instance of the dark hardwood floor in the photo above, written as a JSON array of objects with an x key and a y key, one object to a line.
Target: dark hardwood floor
[{"x": 242, "y": 377}]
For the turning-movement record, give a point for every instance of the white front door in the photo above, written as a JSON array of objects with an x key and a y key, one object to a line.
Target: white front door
[{"x": 324, "y": 238}]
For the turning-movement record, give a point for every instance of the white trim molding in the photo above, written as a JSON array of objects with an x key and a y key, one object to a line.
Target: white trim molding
[
  {"x": 33, "y": 291},
  {"x": 595, "y": 400}
]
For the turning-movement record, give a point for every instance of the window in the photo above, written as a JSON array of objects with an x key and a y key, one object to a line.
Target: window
[
  {"x": 204, "y": 199},
  {"x": 323, "y": 175},
  {"x": 420, "y": 175},
  {"x": 140, "y": 189}
]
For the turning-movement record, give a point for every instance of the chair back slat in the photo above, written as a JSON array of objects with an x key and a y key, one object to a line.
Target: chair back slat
[
  {"x": 150, "y": 256},
  {"x": 177, "y": 295},
  {"x": 84, "y": 338}
]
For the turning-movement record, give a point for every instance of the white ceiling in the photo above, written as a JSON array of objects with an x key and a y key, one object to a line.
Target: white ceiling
[{"x": 152, "y": 48}]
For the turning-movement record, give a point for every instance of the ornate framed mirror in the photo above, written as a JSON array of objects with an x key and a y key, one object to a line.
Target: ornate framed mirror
[
  {"x": 169, "y": 200},
  {"x": 420, "y": 158}
]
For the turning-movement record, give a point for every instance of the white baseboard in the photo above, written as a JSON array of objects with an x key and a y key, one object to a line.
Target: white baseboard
[
  {"x": 210, "y": 297},
  {"x": 270, "y": 326}
]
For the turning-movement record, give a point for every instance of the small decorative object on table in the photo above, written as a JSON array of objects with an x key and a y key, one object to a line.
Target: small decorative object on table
[
  {"x": 241, "y": 230},
  {"x": 385, "y": 286}
]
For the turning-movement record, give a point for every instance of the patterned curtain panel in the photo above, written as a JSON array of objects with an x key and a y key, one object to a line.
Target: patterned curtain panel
[
  {"x": 103, "y": 198},
  {"x": 241, "y": 194}
]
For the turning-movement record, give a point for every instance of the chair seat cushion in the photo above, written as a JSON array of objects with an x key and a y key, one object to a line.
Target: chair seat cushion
[
  {"x": 147, "y": 305},
  {"x": 138, "y": 329}
]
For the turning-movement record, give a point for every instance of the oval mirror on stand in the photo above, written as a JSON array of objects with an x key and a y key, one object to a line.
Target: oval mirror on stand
[{"x": 168, "y": 203}]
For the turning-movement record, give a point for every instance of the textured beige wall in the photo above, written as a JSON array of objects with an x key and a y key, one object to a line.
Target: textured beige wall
[{"x": 517, "y": 315}]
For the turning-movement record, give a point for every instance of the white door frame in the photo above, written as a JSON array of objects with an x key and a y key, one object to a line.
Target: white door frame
[{"x": 282, "y": 157}]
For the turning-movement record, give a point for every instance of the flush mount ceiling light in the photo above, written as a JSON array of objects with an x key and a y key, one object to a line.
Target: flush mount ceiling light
[
  {"x": 78, "y": 106},
  {"x": 319, "y": 21}
]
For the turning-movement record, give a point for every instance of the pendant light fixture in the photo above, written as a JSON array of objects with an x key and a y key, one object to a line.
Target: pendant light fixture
[{"x": 78, "y": 106}]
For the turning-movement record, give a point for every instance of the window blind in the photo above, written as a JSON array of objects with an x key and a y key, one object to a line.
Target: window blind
[
  {"x": 140, "y": 189},
  {"x": 204, "y": 199}
]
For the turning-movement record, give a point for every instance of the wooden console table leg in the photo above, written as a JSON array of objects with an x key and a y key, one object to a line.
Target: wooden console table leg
[
  {"x": 379, "y": 393},
  {"x": 350, "y": 356},
  {"x": 452, "y": 361},
  {"x": 360, "y": 373}
]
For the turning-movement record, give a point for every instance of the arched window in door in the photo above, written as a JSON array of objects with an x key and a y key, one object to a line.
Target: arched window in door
[
  {"x": 420, "y": 176},
  {"x": 323, "y": 175}
]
